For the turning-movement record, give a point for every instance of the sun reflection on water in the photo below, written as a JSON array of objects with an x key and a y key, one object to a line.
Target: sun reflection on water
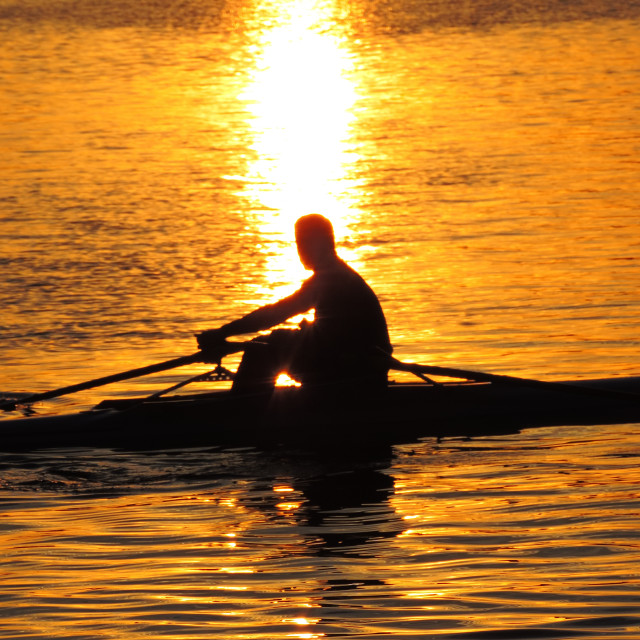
[{"x": 300, "y": 100}]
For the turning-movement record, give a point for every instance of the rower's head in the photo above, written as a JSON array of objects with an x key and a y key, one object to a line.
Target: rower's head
[{"x": 315, "y": 240}]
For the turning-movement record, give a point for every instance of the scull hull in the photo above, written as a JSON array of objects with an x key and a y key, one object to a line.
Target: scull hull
[{"x": 405, "y": 413}]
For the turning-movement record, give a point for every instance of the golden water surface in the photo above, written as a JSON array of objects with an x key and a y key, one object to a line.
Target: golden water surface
[
  {"x": 483, "y": 178},
  {"x": 503, "y": 537},
  {"x": 480, "y": 164}
]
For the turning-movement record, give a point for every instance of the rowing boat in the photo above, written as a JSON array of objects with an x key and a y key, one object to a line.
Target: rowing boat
[{"x": 405, "y": 412}]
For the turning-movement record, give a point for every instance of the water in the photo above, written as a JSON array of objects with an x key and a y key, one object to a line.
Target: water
[
  {"x": 503, "y": 537},
  {"x": 480, "y": 165}
]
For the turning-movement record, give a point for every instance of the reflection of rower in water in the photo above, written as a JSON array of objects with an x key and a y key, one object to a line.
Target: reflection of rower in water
[{"x": 344, "y": 346}]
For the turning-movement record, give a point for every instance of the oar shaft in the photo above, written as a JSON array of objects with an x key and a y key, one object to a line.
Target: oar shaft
[
  {"x": 98, "y": 382},
  {"x": 480, "y": 376},
  {"x": 224, "y": 349}
]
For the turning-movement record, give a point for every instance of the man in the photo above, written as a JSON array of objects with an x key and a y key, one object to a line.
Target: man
[{"x": 347, "y": 345}]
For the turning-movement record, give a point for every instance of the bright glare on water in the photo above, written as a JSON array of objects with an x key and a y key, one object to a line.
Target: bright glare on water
[{"x": 480, "y": 164}]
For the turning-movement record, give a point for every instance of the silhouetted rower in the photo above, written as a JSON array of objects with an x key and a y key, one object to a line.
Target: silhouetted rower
[{"x": 344, "y": 347}]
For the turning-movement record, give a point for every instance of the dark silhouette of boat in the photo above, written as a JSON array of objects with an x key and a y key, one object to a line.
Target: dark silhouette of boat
[{"x": 293, "y": 417}]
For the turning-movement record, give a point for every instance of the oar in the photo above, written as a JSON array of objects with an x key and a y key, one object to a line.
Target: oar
[
  {"x": 226, "y": 348},
  {"x": 99, "y": 382},
  {"x": 479, "y": 376}
]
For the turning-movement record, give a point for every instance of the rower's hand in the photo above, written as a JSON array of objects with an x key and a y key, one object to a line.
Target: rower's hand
[{"x": 210, "y": 342}]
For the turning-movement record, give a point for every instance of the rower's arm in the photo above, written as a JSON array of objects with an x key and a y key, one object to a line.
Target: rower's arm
[{"x": 271, "y": 314}]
